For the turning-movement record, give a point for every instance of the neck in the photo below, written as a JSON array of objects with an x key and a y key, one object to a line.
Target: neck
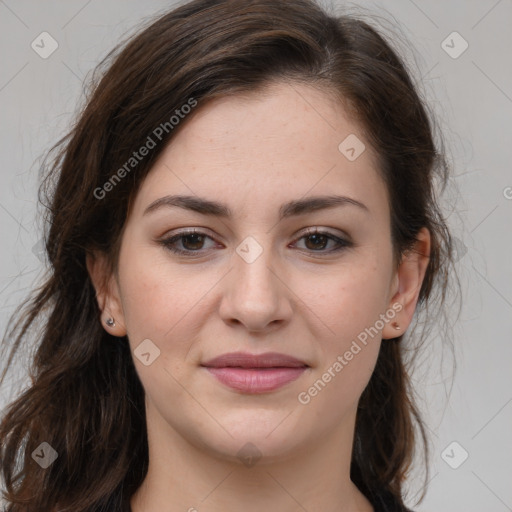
[{"x": 192, "y": 477}]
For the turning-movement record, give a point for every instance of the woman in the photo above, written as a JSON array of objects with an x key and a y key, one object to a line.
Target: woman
[{"x": 243, "y": 223}]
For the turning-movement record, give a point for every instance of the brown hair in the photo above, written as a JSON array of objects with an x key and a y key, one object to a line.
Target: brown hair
[{"x": 85, "y": 398}]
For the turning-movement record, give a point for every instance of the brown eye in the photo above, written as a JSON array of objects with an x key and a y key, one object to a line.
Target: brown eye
[
  {"x": 191, "y": 241},
  {"x": 317, "y": 241}
]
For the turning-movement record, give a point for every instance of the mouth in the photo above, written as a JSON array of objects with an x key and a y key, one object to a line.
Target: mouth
[{"x": 255, "y": 374}]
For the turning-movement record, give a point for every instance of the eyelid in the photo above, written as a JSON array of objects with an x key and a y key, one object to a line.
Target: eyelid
[{"x": 323, "y": 230}]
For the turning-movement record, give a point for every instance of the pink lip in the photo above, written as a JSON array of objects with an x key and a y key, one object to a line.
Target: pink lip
[
  {"x": 252, "y": 373},
  {"x": 256, "y": 380}
]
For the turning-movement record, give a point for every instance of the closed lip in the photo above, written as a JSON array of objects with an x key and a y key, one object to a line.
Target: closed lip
[{"x": 248, "y": 360}]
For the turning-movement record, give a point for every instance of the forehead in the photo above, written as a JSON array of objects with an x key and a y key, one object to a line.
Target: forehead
[
  {"x": 285, "y": 118},
  {"x": 281, "y": 142}
]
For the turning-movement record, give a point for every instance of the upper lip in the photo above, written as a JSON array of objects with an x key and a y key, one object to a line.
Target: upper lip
[{"x": 247, "y": 360}]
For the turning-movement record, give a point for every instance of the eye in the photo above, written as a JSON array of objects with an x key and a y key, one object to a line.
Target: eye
[
  {"x": 193, "y": 242},
  {"x": 319, "y": 239}
]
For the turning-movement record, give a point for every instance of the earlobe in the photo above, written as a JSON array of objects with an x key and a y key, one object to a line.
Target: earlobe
[
  {"x": 407, "y": 284},
  {"x": 107, "y": 294}
]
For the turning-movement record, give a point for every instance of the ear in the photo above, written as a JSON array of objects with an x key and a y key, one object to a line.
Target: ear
[
  {"x": 407, "y": 283},
  {"x": 107, "y": 293}
]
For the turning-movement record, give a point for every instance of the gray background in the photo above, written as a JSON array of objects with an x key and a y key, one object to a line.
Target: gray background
[{"x": 472, "y": 97}]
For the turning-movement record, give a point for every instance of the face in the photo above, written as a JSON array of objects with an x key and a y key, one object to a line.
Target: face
[{"x": 254, "y": 281}]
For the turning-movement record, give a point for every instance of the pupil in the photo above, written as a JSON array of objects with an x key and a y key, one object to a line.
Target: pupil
[
  {"x": 316, "y": 237},
  {"x": 193, "y": 235}
]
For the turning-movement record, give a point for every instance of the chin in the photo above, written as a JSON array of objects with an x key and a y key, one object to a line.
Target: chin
[
  {"x": 264, "y": 436},
  {"x": 254, "y": 448}
]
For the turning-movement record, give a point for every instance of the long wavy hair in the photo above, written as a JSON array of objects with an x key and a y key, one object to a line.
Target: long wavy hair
[{"x": 85, "y": 398}]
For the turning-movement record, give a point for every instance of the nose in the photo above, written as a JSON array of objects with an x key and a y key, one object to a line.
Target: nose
[{"x": 256, "y": 294}]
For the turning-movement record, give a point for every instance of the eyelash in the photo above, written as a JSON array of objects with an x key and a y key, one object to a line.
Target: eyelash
[{"x": 168, "y": 243}]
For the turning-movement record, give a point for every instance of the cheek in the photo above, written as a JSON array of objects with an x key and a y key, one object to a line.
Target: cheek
[
  {"x": 348, "y": 349},
  {"x": 167, "y": 304},
  {"x": 349, "y": 299},
  {"x": 159, "y": 304},
  {"x": 156, "y": 293},
  {"x": 348, "y": 305}
]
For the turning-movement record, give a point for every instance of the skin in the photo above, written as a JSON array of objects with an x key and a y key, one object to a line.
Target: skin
[{"x": 254, "y": 152}]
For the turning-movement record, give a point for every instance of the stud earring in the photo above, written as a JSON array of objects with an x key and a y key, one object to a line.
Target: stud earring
[
  {"x": 110, "y": 322},
  {"x": 396, "y": 326}
]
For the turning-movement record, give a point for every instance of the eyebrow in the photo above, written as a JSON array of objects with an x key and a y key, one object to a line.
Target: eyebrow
[{"x": 290, "y": 209}]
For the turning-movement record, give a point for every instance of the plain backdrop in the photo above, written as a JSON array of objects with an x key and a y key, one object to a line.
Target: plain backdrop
[{"x": 460, "y": 53}]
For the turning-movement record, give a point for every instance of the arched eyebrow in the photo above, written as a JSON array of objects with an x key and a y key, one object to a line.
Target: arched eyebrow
[{"x": 289, "y": 209}]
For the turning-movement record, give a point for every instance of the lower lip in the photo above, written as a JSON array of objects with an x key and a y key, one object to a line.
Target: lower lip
[{"x": 252, "y": 380}]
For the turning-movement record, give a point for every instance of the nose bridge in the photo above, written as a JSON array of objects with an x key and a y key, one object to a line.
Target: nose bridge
[
  {"x": 255, "y": 276},
  {"x": 255, "y": 294}
]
